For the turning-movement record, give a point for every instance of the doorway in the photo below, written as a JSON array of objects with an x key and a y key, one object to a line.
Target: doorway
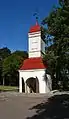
[{"x": 33, "y": 85}]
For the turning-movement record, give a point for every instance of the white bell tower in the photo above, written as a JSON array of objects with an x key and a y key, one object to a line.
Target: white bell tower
[
  {"x": 36, "y": 46},
  {"x": 33, "y": 67}
]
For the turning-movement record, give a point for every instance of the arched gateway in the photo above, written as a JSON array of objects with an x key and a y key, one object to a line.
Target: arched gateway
[
  {"x": 32, "y": 85},
  {"x": 33, "y": 70}
]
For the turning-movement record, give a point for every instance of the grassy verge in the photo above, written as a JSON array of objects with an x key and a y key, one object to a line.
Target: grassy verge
[{"x": 8, "y": 88}]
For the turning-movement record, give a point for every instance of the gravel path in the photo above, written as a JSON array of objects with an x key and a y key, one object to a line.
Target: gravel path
[
  {"x": 17, "y": 106},
  {"x": 34, "y": 106}
]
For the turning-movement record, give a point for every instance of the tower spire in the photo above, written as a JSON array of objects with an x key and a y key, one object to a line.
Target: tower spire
[{"x": 36, "y": 17}]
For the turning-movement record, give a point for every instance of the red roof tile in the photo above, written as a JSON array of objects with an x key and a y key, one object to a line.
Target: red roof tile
[
  {"x": 35, "y": 28},
  {"x": 33, "y": 63}
]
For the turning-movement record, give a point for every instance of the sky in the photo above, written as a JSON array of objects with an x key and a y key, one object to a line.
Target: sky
[{"x": 16, "y": 18}]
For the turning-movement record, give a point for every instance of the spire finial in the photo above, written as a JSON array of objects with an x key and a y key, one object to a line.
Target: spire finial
[{"x": 36, "y": 16}]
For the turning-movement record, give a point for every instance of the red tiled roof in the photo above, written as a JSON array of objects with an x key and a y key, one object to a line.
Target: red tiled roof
[
  {"x": 35, "y": 28},
  {"x": 33, "y": 63}
]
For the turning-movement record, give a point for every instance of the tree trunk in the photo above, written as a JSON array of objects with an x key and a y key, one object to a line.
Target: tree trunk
[{"x": 3, "y": 81}]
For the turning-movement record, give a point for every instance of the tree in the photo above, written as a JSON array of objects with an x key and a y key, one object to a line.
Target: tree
[
  {"x": 4, "y": 52},
  {"x": 57, "y": 37},
  {"x": 11, "y": 64}
]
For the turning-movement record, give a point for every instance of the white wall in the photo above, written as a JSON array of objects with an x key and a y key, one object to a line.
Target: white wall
[
  {"x": 42, "y": 46},
  {"x": 49, "y": 82},
  {"x": 34, "y": 44},
  {"x": 34, "y": 54},
  {"x": 39, "y": 73}
]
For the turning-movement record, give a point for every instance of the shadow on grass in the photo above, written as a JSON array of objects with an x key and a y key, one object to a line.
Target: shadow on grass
[{"x": 57, "y": 107}]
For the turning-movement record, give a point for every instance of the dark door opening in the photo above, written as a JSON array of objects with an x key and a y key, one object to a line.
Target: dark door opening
[
  {"x": 33, "y": 84},
  {"x": 23, "y": 85}
]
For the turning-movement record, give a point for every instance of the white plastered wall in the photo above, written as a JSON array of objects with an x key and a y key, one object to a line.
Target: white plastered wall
[
  {"x": 40, "y": 74},
  {"x": 34, "y": 44}
]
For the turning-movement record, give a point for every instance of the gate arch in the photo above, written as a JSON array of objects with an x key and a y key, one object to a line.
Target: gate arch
[{"x": 33, "y": 85}]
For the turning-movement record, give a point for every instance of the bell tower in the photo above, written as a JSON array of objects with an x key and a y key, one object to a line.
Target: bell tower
[
  {"x": 33, "y": 67},
  {"x": 36, "y": 46}
]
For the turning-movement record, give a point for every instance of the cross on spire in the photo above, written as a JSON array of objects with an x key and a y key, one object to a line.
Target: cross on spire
[{"x": 36, "y": 16}]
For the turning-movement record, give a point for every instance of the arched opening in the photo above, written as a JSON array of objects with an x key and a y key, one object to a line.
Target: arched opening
[
  {"x": 33, "y": 85},
  {"x": 23, "y": 85}
]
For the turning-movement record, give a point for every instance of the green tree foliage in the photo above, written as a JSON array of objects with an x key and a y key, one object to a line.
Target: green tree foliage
[
  {"x": 57, "y": 38},
  {"x": 0, "y": 71},
  {"x": 11, "y": 65},
  {"x": 4, "y": 52}
]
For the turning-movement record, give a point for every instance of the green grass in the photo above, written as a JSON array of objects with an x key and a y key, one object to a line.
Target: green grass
[{"x": 8, "y": 88}]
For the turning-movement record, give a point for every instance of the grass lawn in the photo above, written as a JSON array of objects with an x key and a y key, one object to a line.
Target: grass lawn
[{"x": 8, "y": 88}]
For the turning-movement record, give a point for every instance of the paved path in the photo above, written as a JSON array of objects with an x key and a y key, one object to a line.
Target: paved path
[
  {"x": 34, "y": 106},
  {"x": 17, "y": 106}
]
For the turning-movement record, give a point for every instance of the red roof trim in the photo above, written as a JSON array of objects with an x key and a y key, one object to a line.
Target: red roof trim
[
  {"x": 35, "y": 28},
  {"x": 33, "y": 63}
]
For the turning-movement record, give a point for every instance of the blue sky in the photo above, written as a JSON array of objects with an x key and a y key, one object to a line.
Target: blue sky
[{"x": 16, "y": 17}]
